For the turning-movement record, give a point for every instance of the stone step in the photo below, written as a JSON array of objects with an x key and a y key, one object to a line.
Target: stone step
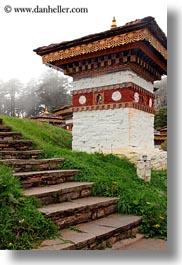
[
  {"x": 47, "y": 177},
  {"x": 80, "y": 210},
  {"x": 4, "y": 128},
  {"x": 30, "y": 154},
  {"x": 10, "y": 136},
  {"x": 125, "y": 243},
  {"x": 97, "y": 234},
  {"x": 23, "y": 165},
  {"x": 13, "y": 145},
  {"x": 61, "y": 192}
]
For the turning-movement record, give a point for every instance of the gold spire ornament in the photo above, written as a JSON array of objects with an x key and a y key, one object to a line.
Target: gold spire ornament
[
  {"x": 46, "y": 111},
  {"x": 113, "y": 25}
]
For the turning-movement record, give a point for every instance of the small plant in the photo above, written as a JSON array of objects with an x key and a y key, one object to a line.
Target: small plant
[
  {"x": 108, "y": 244},
  {"x": 101, "y": 245},
  {"x": 74, "y": 228}
]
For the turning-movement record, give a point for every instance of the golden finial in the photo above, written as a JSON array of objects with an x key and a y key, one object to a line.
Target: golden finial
[
  {"x": 46, "y": 111},
  {"x": 113, "y": 25}
]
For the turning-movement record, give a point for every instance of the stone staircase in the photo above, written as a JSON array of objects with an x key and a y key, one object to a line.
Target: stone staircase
[{"x": 86, "y": 222}]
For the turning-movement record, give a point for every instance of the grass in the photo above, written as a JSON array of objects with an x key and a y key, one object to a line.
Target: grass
[
  {"x": 21, "y": 225},
  {"x": 42, "y": 134},
  {"x": 113, "y": 176}
]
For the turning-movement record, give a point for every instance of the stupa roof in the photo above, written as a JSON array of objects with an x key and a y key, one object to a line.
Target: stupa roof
[{"x": 147, "y": 22}]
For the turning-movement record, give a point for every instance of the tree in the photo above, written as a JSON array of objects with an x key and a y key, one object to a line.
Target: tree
[
  {"x": 28, "y": 100},
  {"x": 53, "y": 90},
  {"x": 9, "y": 92},
  {"x": 160, "y": 118},
  {"x": 2, "y": 98}
]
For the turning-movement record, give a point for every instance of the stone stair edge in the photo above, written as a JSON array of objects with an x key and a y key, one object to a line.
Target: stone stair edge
[
  {"x": 29, "y": 165},
  {"x": 95, "y": 231},
  {"x": 52, "y": 188},
  {"x": 21, "y": 151},
  {"x": 5, "y": 128},
  {"x": 77, "y": 204},
  {"x": 122, "y": 244},
  {"x": 58, "y": 193},
  {"x": 32, "y": 161},
  {"x": 10, "y": 133},
  {"x": 16, "y": 141},
  {"x": 75, "y": 171},
  {"x": 20, "y": 154}
]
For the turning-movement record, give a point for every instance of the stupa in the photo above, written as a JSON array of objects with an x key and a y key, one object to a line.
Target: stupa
[{"x": 113, "y": 73}]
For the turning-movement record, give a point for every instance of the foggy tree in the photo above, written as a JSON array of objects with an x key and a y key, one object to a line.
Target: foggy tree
[
  {"x": 53, "y": 90},
  {"x": 9, "y": 92},
  {"x": 29, "y": 101},
  {"x": 2, "y": 99},
  {"x": 50, "y": 90}
]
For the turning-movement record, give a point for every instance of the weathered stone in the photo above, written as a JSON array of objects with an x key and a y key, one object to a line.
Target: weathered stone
[
  {"x": 5, "y": 128},
  {"x": 100, "y": 213},
  {"x": 112, "y": 239},
  {"x": 40, "y": 178},
  {"x": 112, "y": 208},
  {"x": 80, "y": 210},
  {"x": 60, "y": 192},
  {"x": 85, "y": 192},
  {"x": 30, "y": 154},
  {"x": 16, "y": 145},
  {"x": 158, "y": 157},
  {"x": 144, "y": 170},
  {"x": 22, "y": 165},
  {"x": 94, "y": 216},
  {"x": 10, "y": 136},
  {"x": 98, "y": 234}
]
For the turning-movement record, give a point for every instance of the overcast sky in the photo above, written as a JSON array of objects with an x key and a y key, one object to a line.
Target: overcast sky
[{"x": 23, "y": 32}]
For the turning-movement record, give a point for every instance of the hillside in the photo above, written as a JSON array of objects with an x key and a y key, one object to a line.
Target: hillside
[{"x": 112, "y": 176}]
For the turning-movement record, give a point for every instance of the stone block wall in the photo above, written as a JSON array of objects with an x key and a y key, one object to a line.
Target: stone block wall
[
  {"x": 108, "y": 130},
  {"x": 140, "y": 131}
]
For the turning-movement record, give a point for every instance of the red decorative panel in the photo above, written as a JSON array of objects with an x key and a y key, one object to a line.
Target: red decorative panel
[
  {"x": 113, "y": 96},
  {"x": 88, "y": 102}
]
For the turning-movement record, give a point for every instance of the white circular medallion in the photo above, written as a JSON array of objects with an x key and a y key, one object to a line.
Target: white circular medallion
[
  {"x": 82, "y": 100},
  {"x": 150, "y": 102},
  {"x": 136, "y": 97},
  {"x": 116, "y": 96}
]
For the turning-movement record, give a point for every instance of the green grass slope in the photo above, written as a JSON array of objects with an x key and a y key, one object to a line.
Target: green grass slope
[
  {"x": 113, "y": 176},
  {"x": 42, "y": 134}
]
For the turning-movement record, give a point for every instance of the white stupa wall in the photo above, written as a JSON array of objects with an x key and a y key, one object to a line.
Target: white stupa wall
[
  {"x": 112, "y": 129},
  {"x": 112, "y": 78}
]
